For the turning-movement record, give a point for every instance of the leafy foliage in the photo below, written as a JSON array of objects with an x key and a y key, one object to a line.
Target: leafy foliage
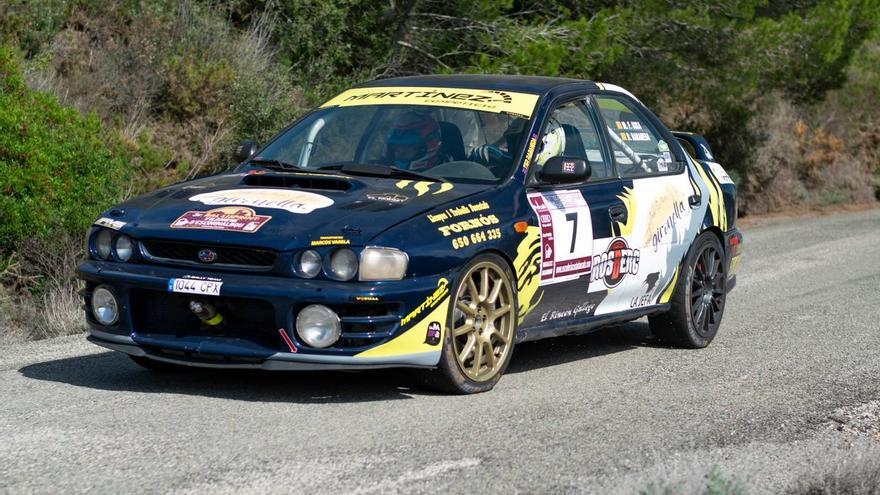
[{"x": 57, "y": 169}]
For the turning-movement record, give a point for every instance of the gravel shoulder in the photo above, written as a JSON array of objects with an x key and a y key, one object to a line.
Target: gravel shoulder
[{"x": 607, "y": 412}]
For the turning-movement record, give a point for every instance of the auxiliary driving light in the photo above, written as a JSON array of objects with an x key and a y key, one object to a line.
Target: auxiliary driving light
[
  {"x": 104, "y": 306},
  {"x": 318, "y": 326},
  {"x": 103, "y": 244},
  {"x": 124, "y": 248},
  {"x": 308, "y": 264},
  {"x": 343, "y": 264}
]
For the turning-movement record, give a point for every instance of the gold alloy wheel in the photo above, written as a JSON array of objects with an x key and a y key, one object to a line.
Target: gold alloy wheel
[{"x": 483, "y": 321}]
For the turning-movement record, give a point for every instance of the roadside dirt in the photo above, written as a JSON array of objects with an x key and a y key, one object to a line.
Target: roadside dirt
[{"x": 795, "y": 212}]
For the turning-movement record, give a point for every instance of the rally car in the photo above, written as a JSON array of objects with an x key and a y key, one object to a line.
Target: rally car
[{"x": 430, "y": 222}]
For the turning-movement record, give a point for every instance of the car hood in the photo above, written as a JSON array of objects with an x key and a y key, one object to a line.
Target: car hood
[{"x": 282, "y": 211}]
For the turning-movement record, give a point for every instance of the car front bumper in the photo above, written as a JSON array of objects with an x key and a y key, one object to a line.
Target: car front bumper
[{"x": 383, "y": 324}]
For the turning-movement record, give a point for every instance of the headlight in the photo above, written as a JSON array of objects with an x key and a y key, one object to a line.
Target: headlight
[
  {"x": 379, "y": 263},
  {"x": 103, "y": 244},
  {"x": 343, "y": 264},
  {"x": 308, "y": 264},
  {"x": 318, "y": 326},
  {"x": 124, "y": 248},
  {"x": 104, "y": 306}
]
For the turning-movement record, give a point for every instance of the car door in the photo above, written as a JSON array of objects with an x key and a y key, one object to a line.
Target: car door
[
  {"x": 570, "y": 216},
  {"x": 640, "y": 258}
]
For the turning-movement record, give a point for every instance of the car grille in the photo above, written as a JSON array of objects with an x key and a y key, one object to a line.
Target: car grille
[
  {"x": 227, "y": 256},
  {"x": 166, "y": 313}
]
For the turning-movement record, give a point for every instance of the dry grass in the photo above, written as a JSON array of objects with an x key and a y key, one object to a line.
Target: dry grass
[{"x": 38, "y": 293}]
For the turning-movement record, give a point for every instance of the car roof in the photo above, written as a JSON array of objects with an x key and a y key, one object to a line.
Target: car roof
[{"x": 524, "y": 84}]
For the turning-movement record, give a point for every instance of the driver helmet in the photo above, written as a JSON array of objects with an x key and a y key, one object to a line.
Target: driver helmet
[
  {"x": 414, "y": 142},
  {"x": 553, "y": 143}
]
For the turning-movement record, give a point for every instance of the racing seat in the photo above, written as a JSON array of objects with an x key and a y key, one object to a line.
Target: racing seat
[{"x": 451, "y": 141}]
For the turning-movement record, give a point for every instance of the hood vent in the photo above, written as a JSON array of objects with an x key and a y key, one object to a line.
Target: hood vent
[{"x": 298, "y": 182}]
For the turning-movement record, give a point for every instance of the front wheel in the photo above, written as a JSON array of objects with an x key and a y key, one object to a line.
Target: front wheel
[
  {"x": 697, "y": 303},
  {"x": 481, "y": 328}
]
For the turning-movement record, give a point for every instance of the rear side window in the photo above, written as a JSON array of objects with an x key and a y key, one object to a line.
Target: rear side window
[{"x": 639, "y": 149}]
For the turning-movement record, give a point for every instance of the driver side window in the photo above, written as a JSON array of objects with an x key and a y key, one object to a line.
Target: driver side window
[
  {"x": 570, "y": 132},
  {"x": 639, "y": 149}
]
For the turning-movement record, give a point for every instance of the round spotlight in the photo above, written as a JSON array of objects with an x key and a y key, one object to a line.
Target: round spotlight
[
  {"x": 124, "y": 248},
  {"x": 318, "y": 326},
  {"x": 308, "y": 264},
  {"x": 343, "y": 264},
  {"x": 104, "y": 306},
  {"x": 103, "y": 244}
]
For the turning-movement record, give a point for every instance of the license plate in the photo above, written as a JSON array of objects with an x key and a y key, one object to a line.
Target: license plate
[{"x": 193, "y": 286}]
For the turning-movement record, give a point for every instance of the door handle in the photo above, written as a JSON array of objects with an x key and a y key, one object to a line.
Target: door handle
[
  {"x": 618, "y": 213},
  {"x": 694, "y": 201}
]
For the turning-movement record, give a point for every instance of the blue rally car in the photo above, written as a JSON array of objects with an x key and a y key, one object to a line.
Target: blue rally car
[{"x": 429, "y": 222}]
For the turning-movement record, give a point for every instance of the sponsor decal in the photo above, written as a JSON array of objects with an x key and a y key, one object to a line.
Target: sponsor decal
[
  {"x": 615, "y": 263},
  {"x": 433, "y": 335},
  {"x": 228, "y": 219},
  {"x": 530, "y": 152},
  {"x": 528, "y": 278},
  {"x": 109, "y": 223},
  {"x": 566, "y": 234},
  {"x": 650, "y": 284},
  {"x": 707, "y": 152},
  {"x": 203, "y": 286},
  {"x": 458, "y": 211},
  {"x": 628, "y": 125},
  {"x": 292, "y": 201},
  {"x": 568, "y": 167},
  {"x": 389, "y": 197},
  {"x": 438, "y": 295},
  {"x": 522, "y": 104},
  {"x": 331, "y": 240},
  {"x": 424, "y": 186},
  {"x": 635, "y": 136},
  {"x": 719, "y": 173},
  {"x": 667, "y": 212},
  {"x": 287, "y": 340},
  {"x": 583, "y": 309},
  {"x": 662, "y": 146},
  {"x": 469, "y": 224},
  {"x": 258, "y": 171},
  {"x": 366, "y": 298}
]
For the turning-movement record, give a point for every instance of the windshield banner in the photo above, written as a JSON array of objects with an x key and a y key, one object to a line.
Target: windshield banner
[{"x": 485, "y": 100}]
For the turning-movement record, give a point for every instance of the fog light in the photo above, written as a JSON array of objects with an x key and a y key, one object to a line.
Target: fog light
[
  {"x": 103, "y": 244},
  {"x": 104, "y": 306},
  {"x": 318, "y": 326},
  {"x": 124, "y": 248}
]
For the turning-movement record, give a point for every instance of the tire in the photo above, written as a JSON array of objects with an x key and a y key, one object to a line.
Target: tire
[
  {"x": 686, "y": 324},
  {"x": 159, "y": 366},
  {"x": 487, "y": 323}
]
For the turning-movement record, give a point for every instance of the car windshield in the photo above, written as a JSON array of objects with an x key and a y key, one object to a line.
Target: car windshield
[{"x": 445, "y": 141}]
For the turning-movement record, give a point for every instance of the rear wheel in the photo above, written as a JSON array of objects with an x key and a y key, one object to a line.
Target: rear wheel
[
  {"x": 481, "y": 328},
  {"x": 697, "y": 304}
]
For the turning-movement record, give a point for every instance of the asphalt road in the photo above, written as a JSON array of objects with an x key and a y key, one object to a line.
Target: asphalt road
[{"x": 609, "y": 411}]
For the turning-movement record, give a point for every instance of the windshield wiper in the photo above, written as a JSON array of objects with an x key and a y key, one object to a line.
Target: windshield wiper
[
  {"x": 283, "y": 166},
  {"x": 378, "y": 170}
]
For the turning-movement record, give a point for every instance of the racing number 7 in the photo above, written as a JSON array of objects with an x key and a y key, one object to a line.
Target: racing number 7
[{"x": 572, "y": 217}]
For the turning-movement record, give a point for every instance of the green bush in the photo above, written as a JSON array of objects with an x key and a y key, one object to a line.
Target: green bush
[{"x": 57, "y": 170}]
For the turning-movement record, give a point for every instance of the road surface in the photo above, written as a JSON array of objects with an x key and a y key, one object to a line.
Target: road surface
[{"x": 607, "y": 412}]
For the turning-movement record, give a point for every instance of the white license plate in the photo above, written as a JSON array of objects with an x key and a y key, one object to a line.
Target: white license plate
[{"x": 192, "y": 286}]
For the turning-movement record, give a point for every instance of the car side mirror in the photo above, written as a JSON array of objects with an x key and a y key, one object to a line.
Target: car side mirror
[
  {"x": 565, "y": 170},
  {"x": 245, "y": 150}
]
